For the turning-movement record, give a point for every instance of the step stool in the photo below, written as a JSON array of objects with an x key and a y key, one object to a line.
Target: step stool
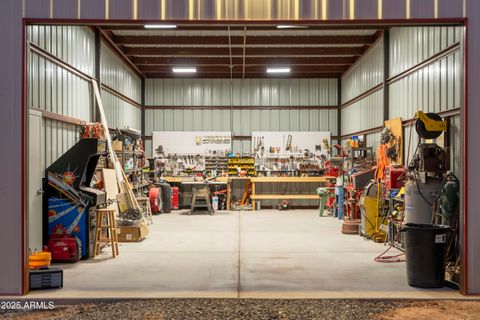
[
  {"x": 201, "y": 199},
  {"x": 144, "y": 204},
  {"x": 105, "y": 221}
]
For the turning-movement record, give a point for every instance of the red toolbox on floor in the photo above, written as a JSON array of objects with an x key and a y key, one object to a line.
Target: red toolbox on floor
[{"x": 175, "y": 198}]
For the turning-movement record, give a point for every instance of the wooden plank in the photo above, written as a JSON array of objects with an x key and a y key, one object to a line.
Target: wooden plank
[
  {"x": 111, "y": 187},
  {"x": 59, "y": 117},
  {"x": 291, "y": 179},
  {"x": 172, "y": 179},
  {"x": 285, "y": 196},
  {"x": 395, "y": 126}
]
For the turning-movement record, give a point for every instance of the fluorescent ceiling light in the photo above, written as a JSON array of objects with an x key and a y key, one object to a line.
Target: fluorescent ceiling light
[
  {"x": 184, "y": 70},
  {"x": 160, "y": 26},
  {"x": 285, "y": 26},
  {"x": 278, "y": 70}
]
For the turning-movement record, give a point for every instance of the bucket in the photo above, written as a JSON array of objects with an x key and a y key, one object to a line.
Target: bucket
[{"x": 40, "y": 259}]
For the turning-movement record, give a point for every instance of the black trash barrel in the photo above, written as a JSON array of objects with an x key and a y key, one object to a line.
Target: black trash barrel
[{"x": 425, "y": 246}]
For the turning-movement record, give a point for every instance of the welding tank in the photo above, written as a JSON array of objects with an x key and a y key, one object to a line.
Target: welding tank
[{"x": 419, "y": 199}]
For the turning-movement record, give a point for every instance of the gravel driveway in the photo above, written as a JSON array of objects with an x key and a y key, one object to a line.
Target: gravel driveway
[{"x": 226, "y": 309}]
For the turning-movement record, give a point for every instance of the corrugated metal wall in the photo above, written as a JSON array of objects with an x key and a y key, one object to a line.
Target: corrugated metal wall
[
  {"x": 411, "y": 45},
  {"x": 434, "y": 88},
  {"x": 116, "y": 75},
  {"x": 248, "y": 92},
  {"x": 363, "y": 114},
  {"x": 120, "y": 113},
  {"x": 56, "y": 89},
  {"x": 365, "y": 74}
]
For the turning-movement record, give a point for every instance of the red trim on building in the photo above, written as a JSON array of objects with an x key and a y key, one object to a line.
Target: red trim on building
[
  {"x": 330, "y": 23},
  {"x": 464, "y": 258},
  {"x": 24, "y": 162}
]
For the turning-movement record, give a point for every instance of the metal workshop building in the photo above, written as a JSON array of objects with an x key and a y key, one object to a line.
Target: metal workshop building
[{"x": 354, "y": 96}]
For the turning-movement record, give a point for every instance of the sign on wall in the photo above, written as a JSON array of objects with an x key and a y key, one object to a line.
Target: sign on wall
[{"x": 191, "y": 142}]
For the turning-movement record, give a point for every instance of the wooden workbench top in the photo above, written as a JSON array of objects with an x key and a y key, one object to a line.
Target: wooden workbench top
[
  {"x": 291, "y": 179},
  {"x": 257, "y": 179}
]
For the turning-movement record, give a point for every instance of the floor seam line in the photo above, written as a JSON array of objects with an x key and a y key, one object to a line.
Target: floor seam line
[{"x": 238, "y": 260}]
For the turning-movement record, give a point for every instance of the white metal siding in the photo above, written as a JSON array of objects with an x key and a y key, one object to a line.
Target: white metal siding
[
  {"x": 71, "y": 44},
  {"x": 412, "y": 45},
  {"x": 365, "y": 74},
  {"x": 121, "y": 114},
  {"x": 115, "y": 74},
  {"x": 435, "y": 88},
  {"x": 58, "y": 138},
  {"x": 364, "y": 114},
  {"x": 53, "y": 88},
  {"x": 456, "y": 145},
  {"x": 244, "y": 121},
  {"x": 373, "y": 140},
  {"x": 247, "y": 92}
]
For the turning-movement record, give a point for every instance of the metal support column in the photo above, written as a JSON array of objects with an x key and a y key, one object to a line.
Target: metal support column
[
  {"x": 386, "y": 74},
  {"x": 98, "y": 51},
  {"x": 339, "y": 111},
  {"x": 142, "y": 102}
]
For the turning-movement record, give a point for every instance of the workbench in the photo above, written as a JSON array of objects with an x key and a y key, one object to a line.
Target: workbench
[{"x": 320, "y": 181}]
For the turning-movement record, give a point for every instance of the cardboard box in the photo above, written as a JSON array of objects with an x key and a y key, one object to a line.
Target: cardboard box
[
  {"x": 117, "y": 145},
  {"x": 132, "y": 233}
]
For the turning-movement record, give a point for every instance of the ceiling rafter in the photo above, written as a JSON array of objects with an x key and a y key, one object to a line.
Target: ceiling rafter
[
  {"x": 224, "y": 51},
  {"x": 238, "y": 40},
  {"x": 201, "y": 61},
  {"x": 310, "y": 53}
]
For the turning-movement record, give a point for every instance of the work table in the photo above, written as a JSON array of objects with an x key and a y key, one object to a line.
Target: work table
[{"x": 253, "y": 181}]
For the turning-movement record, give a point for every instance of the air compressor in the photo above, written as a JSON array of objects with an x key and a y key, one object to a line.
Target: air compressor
[{"x": 425, "y": 171}]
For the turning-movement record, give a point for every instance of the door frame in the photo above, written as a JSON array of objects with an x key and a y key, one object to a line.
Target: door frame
[{"x": 464, "y": 210}]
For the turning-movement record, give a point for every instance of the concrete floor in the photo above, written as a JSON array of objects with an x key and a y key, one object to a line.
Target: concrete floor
[{"x": 265, "y": 254}]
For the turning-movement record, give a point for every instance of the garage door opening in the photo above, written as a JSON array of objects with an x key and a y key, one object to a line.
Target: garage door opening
[{"x": 256, "y": 124}]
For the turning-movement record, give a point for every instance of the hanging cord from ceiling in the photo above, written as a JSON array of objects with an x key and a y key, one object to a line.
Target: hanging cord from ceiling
[
  {"x": 244, "y": 49},
  {"x": 231, "y": 80}
]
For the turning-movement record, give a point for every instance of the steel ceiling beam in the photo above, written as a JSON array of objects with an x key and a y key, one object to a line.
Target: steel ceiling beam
[
  {"x": 205, "y": 61},
  {"x": 238, "y": 40},
  {"x": 276, "y": 52}
]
